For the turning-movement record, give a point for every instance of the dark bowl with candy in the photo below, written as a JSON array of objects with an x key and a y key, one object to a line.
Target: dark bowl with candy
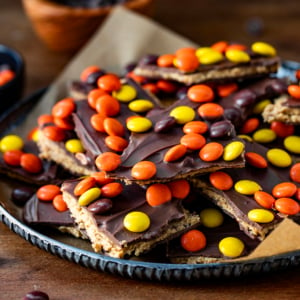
[{"x": 11, "y": 77}]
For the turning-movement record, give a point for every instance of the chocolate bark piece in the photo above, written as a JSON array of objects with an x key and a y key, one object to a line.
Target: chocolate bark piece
[
  {"x": 284, "y": 109},
  {"x": 107, "y": 233},
  {"x": 50, "y": 173},
  {"x": 238, "y": 205},
  {"x": 222, "y": 71},
  {"x": 211, "y": 253},
  {"x": 152, "y": 146}
]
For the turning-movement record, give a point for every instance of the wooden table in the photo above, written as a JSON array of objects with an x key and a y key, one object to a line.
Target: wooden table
[{"x": 24, "y": 267}]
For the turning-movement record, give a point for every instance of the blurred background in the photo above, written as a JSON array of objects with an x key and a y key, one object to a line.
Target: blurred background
[{"x": 203, "y": 21}]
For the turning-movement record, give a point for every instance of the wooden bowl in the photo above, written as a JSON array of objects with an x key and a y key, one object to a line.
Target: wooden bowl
[{"x": 65, "y": 28}]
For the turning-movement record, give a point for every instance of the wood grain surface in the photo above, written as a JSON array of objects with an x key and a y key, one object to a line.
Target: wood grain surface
[{"x": 24, "y": 267}]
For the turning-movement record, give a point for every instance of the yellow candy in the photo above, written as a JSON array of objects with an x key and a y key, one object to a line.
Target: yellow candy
[
  {"x": 211, "y": 217},
  {"x": 74, "y": 146},
  {"x": 245, "y": 137},
  {"x": 260, "y": 106},
  {"x": 89, "y": 196},
  {"x": 279, "y": 158},
  {"x": 136, "y": 221},
  {"x": 263, "y": 49},
  {"x": 203, "y": 50},
  {"x": 231, "y": 247},
  {"x": 11, "y": 142},
  {"x": 233, "y": 150},
  {"x": 35, "y": 135},
  {"x": 260, "y": 215},
  {"x": 125, "y": 94},
  {"x": 139, "y": 124},
  {"x": 292, "y": 144},
  {"x": 264, "y": 135},
  {"x": 211, "y": 57},
  {"x": 237, "y": 56},
  {"x": 140, "y": 105},
  {"x": 183, "y": 114},
  {"x": 247, "y": 187}
]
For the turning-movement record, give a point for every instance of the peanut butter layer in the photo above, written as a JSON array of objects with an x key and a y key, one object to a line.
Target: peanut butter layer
[
  {"x": 222, "y": 71},
  {"x": 107, "y": 233}
]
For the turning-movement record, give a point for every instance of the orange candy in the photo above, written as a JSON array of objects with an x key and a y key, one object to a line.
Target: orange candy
[
  {"x": 31, "y": 163},
  {"x": 282, "y": 129},
  {"x": 84, "y": 185},
  {"x": 179, "y": 188},
  {"x": 195, "y": 127},
  {"x": 113, "y": 127},
  {"x": 200, "y": 93},
  {"x": 64, "y": 123},
  {"x": 96, "y": 121},
  {"x": 249, "y": 125},
  {"x": 187, "y": 62},
  {"x": 295, "y": 172},
  {"x": 48, "y": 192},
  {"x": 287, "y": 206},
  {"x": 137, "y": 78},
  {"x": 166, "y": 86},
  {"x": 143, "y": 170},
  {"x": 256, "y": 160},
  {"x": 157, "y": 194},
  {"x": 13, "y": 157},
  {"x": 109, "y": 82},
  {"x": 87, "y": 71},
  {"x": 165, "y": 60},
  {"x": 193, "y": 240},
  {"x": 175, "y": 152},
  {"x": 210, "y": 111},
  {"x": 111, "y": 190},
  {"x": 221, "y": 180},
  {"x": 93, "y": 96},
  {"x": 116, "y": 143},
  {"x": 59, "y": 203},
  {"x": 101, "y": 178},
  {"x": 193, "y": 141},
  {"x": 63, "y": 108},
  {"x": 284, "y": 189},
  {"x": 225, "y": 90},
  {"x": 294, "y": 91},
  {"x": 108, "y": 161},
  {"x": 219, "y": 46},
  {"x": 211, "y": 151},
  {"x": 185, "y": 50},
  {"x": 151, "y": 87},
  {"x": 54, "y": 133},
  {"x": 239, "y": 47},
  {"x": 44, "y": 119},
  {"x": 264, "y": 199},
  {"x": 107, "y": 106}
]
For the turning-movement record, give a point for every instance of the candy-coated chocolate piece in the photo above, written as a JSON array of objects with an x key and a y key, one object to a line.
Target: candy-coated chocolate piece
[
  {"x": 287, "y": 206},
  {"x": 263, "y": 48},
  {"x": 107, "y": 161},
  {"x": 175, "y": 153},
  {"x": 221, "y": 180},
  {"x": 247, "y": 187},
  {"x": 11, "y": 142},
  {"x": 84, "y": 185},
  {"x": 111, "y": 190},
  {"x": 292, "y": 144},
  {"x": 136, "y": 221},
  {"x": 264, "y": 199},
  {"x": 200, "y": 93},
  {"x": 279, "y": 158},
  {"x": 140, "y": 105},
  {"x": 237, "y": 56},
  {"x": 231, "y": 247},
  {"x": 264, "y": 135},
  {"x": 74, "y": 146},
  {"x": 183, "y": 114},
  {"x": 89, "y": 196},
  {"x": 295, "y": 172},
  {"x": 211, "y": 57},
  {"x": 143, "y": 170},
  {"x": 211, "y": 217},
  {"x": 31, "y": 163},
  {"x": 193, "y": 240},
  {"x": 125, "y": 94},
  {"x": 139, "y": 124},
  {"x": 48, "y": 192},
  {"x": 260, "y": 215},
  {"x": 211, "y": 151},
  {"x": 233, "y": 150},
  {"x": 260, "y": 106},
  {"x": 100, "y": 206},
  {"x": 157, "y": 194},
  {"x": 284, "y": 189}
]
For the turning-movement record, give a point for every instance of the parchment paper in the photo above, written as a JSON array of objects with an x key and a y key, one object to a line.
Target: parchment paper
[{"x": 123, "y": 38}]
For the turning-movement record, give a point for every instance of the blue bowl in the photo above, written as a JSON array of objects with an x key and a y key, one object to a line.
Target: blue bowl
[{"x": 12, "y": 91}]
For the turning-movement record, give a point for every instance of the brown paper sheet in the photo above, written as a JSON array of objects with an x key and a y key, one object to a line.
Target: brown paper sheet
[{"x": 123, "y": 38}]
